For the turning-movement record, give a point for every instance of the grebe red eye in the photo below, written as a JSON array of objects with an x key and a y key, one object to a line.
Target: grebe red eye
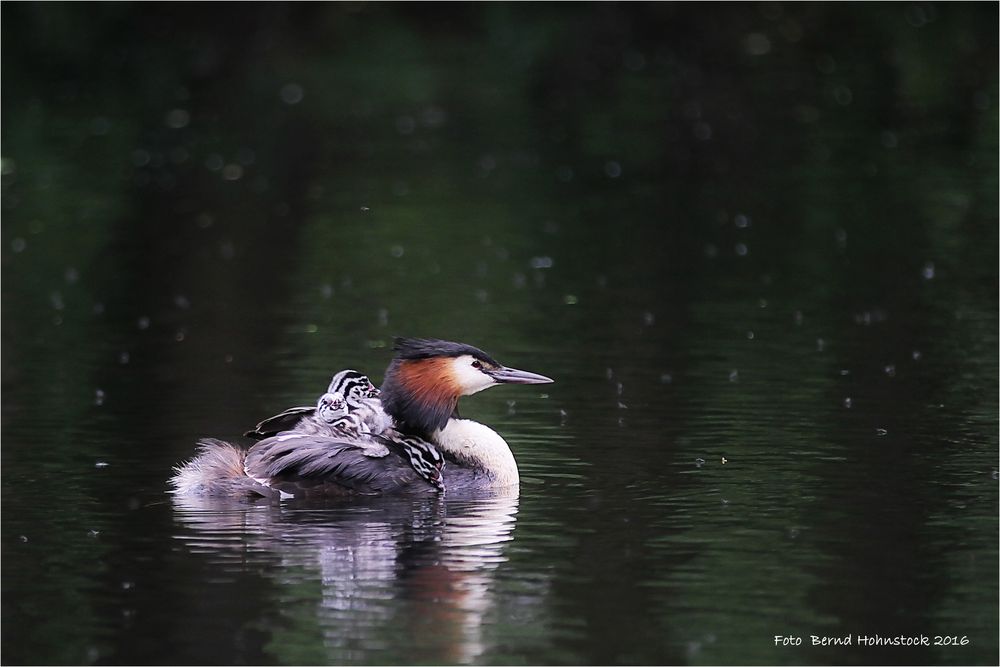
[{"x": 477, "y": 365}]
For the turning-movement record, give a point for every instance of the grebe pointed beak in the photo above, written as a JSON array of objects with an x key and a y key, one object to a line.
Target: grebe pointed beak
[{"x": 514, "y": 376}]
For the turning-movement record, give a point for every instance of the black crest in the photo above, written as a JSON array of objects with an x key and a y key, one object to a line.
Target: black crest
[{"x": 426, "y": 348}]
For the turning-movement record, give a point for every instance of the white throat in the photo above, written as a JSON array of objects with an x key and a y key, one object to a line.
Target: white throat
[{"x": 479, "y": 447}]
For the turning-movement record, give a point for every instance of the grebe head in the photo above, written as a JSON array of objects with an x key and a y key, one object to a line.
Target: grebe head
[
  {"x": 331, "y": 407},
  {"x": 427, "y": 376},
  {"x": 353, "y": 386}
]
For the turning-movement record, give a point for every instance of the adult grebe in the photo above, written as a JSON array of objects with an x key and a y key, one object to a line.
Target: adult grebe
[{"x": 420, "y": 393}]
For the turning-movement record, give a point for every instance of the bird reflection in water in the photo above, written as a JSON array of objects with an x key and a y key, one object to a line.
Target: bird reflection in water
[{"x": 426, "y": 567}]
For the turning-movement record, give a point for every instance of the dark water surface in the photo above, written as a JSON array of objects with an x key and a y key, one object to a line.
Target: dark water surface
[{"x": 755, "y": 245}]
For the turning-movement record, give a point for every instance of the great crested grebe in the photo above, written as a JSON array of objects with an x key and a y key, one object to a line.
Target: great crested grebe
[{"x": 309, "y": 456}]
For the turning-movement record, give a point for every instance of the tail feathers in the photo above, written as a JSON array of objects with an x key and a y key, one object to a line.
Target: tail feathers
[{"x": 216, "y": 470}]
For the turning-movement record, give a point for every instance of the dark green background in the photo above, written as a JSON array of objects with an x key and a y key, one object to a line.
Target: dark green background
[{"x": 712, "y": 224}]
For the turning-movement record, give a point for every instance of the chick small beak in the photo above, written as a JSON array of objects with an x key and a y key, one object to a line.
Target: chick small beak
[{"x": 514, "y": 376}]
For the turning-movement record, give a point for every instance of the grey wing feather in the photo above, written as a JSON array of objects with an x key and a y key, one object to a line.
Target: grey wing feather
[
  {"x": 285, "y": 421},
  {"x": 316, "y": 464}
]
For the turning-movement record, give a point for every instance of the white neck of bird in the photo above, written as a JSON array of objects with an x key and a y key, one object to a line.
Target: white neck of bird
[{"x": 478, "y": 446}]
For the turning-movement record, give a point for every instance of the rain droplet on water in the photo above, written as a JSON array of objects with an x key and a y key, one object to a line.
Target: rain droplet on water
[
  {"x": 405, "y": 125},
  {"x": 177, "y": 118},
  {"x": 100, "y": 126},
  {"x": 541, "y": 262},
  {"x": 292, "y": 93},
  {"x": 232, "y": 172},
  {"x": 842, "y": 95},
  {"x": 140, "y": 157},
  {"x": 881, "y": 431},
  {"x": 99, "y": 397},
  {"x": 143, "y": 323},
  {"x": 486, "y": 163},
  {"x": 756, "y": 44},
  {"x": 928, "y": 271},
  {"x": 917, "y": 16},
  {"x": 848, "y": 402},
  {"x": 890, "y": 370},
  {"x": 734, "y": 376}
]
